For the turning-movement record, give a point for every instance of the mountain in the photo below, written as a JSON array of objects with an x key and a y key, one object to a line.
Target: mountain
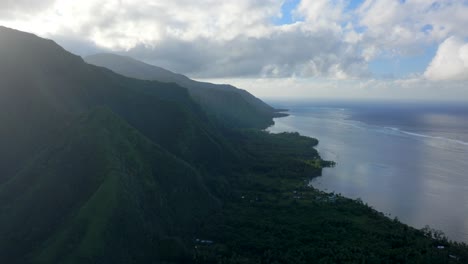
[
  {"x": 96, "y": 167},
  {"x": 228, "y": 104},
  {"x": 101, "y": 163},
  {"x": 101, "y": 190},
  {"x": 44, "y": 86}
]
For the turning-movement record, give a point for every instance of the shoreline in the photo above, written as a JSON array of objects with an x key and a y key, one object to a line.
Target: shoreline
[
  {"x": 328, "y": 184},
  {"x": 273, "y": 205}
]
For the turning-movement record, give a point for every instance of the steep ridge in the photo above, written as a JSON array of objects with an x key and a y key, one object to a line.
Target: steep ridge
[
  {"x": 43, "y": 86},
  {"x": 100, "y": 168},
  {"x": 228, "y": 104},
  {"x": 94, "y": 164},
  {"x": 77, "y": 183}
]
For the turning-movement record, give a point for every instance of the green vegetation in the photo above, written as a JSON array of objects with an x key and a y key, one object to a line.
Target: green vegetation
[
  {"x": 102, "y": 191},
  {"x": 272, "y": 216},
  {"x": 227, "y": 104},
  {"x": 99, "y": 168}
]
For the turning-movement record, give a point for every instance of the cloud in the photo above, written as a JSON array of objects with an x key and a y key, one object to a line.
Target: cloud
[
  {"x": 289, "y": 51},
  {"x": 207, "y": 38},
  {"x": 450, "y": 62},
  {"x": 12, "y": 8},
  {"x": 415, "y": 89},
  {"x": 223, "y": 38},
  {"x": 322, "y": 13},
  {"x": 401, "y": 28}
]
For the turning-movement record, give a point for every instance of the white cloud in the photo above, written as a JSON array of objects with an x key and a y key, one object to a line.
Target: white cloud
[
  {"x": 224, "y": 38},
  {"x": 322, "y": 13},
  {"x": 208, "y": 37},
  {"x": 127, "y": 23},
  {"x": 450, "y": 62},
  {"x": 416, "y": 88},
  {"x": 11, "y": 8},
  {"x": 397, "y": 27}
]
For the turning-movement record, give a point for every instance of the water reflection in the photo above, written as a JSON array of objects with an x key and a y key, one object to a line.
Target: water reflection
[{"x": 422, "y": 180}]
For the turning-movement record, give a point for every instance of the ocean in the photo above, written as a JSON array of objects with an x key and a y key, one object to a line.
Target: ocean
[{"x": 406, "y": 159}]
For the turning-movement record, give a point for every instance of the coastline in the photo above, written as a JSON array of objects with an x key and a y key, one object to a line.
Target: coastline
[
  {"x": 273, "y": 205},
  {"x": 365, "y": 156}
]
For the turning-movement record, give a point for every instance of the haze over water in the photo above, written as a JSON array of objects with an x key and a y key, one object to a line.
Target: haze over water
[{"x": 409, "y": 160}]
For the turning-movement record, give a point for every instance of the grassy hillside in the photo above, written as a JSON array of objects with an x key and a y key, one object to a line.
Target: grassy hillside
[{"x": 227, "y": 104}]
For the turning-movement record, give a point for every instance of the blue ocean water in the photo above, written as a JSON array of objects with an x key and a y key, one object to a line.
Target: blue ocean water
[{"x": 408, "y": 160}]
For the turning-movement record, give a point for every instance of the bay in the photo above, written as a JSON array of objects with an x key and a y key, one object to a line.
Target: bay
[{"x": 408, "y": 160}]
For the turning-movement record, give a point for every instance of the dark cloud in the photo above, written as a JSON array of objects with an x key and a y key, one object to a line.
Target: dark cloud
[
  {"x": 79, "y": 45},
  {"x": 282, "y": 54},
  {"x": 213, "y": 39},
  {"x": 209, "y": 38}
]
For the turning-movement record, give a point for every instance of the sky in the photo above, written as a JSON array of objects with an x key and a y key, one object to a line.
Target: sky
[{"x": 343, "y": 49}]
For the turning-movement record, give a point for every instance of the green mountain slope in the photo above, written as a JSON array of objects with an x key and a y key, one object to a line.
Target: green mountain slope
[
  {"x": 100, "y": 168},
  {"x": 102, "y": 189},
  {"x": 43, "y": 86},
  {"x": 230, "y": 105},
  {"x": 122, "y": 182}
]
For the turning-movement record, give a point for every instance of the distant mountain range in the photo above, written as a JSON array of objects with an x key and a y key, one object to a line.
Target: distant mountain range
[{"x": 230, "y": 105}]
